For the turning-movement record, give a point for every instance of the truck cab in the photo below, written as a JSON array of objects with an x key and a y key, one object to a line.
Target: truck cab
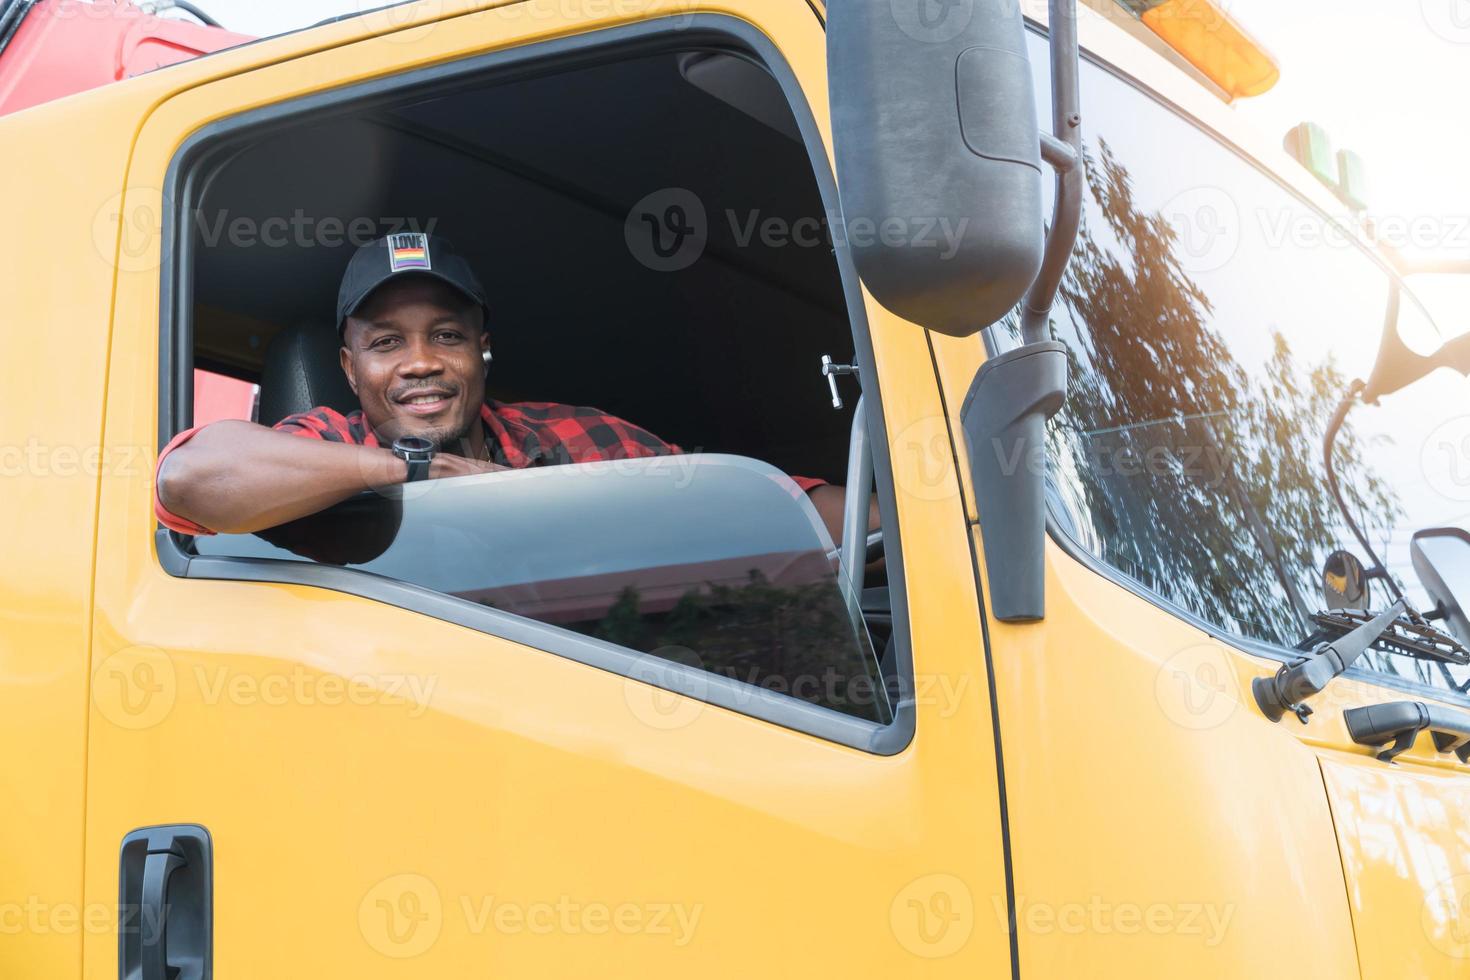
[{"x": 649, "y": 716}]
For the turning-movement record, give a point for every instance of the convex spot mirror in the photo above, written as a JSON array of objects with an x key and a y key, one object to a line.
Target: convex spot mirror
[
  {"x": 1441, "y": 557},
  {"x": 1344, "y": 582},
  {"x": 935, "y": 132}
]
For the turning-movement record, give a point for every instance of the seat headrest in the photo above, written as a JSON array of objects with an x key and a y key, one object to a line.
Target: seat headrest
[{"x": 303, "y": 370}]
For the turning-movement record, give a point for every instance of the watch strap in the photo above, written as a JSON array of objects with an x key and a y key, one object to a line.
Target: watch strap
[{"x": 418, "y": 469}]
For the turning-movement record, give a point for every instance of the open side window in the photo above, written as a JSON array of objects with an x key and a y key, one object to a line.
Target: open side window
[{"x": 649, "y": 217}]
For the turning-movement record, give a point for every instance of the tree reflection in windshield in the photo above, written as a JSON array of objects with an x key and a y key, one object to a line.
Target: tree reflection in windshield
[{"x": 1197, "y": 477}]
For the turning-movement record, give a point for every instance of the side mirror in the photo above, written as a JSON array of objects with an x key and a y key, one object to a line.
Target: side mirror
[
  {"x": 1344, "y": 582},
  {"x": 1441, "y": 558},
  {"x": 934, "y": 122}
]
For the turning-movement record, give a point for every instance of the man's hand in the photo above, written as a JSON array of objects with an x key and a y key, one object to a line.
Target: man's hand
[{"x": 445, "y": 465}]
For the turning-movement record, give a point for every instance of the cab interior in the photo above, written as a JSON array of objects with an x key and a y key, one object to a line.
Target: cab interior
[{"x": 534, "y": 179}]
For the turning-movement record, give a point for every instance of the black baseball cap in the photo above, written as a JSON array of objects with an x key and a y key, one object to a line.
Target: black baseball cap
[{"x": 404, "y": 254}]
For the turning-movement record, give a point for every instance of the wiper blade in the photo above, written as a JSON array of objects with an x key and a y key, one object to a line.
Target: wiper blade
[
  {"x": 1409, "y": 636},
  {"x": 1299, "y": 680}
]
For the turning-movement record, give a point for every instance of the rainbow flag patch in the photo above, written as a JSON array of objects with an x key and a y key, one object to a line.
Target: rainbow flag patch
[{"x": 409, "y": 251}]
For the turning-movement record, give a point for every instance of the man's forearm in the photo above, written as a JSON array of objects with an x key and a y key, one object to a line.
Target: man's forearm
[
  {"x": 831, "y": 505},
  {"x": 237, "y": 477}
]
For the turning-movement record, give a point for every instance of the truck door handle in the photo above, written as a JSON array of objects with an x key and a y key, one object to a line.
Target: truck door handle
[
  {"x": 166, "y": 900},
  {"x": 1400, "y": 721}
]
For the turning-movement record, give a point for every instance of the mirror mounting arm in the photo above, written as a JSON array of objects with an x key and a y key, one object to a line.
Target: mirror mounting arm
[
  {"x": 1013, "y": 395},
  {"x": 1060, "y": 156},
  {"x": 1063, "y": 151}
]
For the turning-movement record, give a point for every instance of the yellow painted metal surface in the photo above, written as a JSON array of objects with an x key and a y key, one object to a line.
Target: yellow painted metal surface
[
  {"x": 1160, "y": 825},
  {"x": 390, "y": 795},
  {"x": 55, "y": 266},
  {"x": 1406, "y": 854}
]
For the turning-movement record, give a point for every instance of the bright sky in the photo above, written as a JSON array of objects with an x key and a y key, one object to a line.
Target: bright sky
[{"x": 1386, "y": 78}]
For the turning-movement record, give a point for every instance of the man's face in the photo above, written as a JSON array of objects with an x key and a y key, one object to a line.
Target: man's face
[{"x": 412, "y": 354}]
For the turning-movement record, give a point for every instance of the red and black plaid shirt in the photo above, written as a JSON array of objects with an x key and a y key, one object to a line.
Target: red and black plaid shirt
[{"x": 519, "y": 435}]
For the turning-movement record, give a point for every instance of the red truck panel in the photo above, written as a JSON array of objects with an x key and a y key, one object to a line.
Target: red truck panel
[{"x": 67, "y": 46}]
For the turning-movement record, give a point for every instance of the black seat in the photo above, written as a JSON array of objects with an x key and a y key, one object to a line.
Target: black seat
[{"x": 303, "y": 370}]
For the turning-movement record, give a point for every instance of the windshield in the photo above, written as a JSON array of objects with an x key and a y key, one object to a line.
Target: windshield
[{"x": 1214, "y": 322}]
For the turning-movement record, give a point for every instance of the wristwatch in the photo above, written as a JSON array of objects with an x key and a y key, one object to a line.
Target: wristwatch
[{"x": 418, "y": 453}]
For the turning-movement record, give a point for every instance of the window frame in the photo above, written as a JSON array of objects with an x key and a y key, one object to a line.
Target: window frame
[
  {"x": 186, "y": 177},
  {"x": 1077, "y": 551}
]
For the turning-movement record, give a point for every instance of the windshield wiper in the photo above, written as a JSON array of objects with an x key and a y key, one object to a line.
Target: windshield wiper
[{"x": 1295, "y": 682}]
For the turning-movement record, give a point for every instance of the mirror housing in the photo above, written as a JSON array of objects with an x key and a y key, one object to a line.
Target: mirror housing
[
  {"x": 1441, "y": 557},
  {"x": 935, "y": 122},
  {"x": 1004, "y": 416}
]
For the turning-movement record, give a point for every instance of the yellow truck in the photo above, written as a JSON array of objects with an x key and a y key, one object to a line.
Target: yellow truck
[{"x": 1155, "y": 666}]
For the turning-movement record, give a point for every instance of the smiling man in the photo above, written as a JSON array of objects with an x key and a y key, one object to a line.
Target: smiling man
[{"x": 411, "y": 316}]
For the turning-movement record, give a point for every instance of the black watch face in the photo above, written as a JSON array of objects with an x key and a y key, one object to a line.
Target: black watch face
[{"x": 417, "y": 445}]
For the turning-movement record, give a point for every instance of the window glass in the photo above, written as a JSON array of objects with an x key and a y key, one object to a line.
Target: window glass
[
  {"x": 1214, "y": 322},
  {"x": 716, "y": 562}
]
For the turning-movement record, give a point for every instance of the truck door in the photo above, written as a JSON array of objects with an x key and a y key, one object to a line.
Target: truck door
[
  {"x": 324, "y": 771},
  {"x": 1215, "y": 321}
]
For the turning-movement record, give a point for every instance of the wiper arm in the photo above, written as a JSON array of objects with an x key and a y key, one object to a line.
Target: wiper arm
[{"x": 1295, "y": 682}]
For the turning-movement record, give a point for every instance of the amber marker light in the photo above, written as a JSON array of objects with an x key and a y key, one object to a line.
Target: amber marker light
[{"x": 1212, "y": 41}]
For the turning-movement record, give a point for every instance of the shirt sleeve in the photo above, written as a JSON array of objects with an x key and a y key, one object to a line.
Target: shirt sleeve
[{"x": 322, "y": 423}]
